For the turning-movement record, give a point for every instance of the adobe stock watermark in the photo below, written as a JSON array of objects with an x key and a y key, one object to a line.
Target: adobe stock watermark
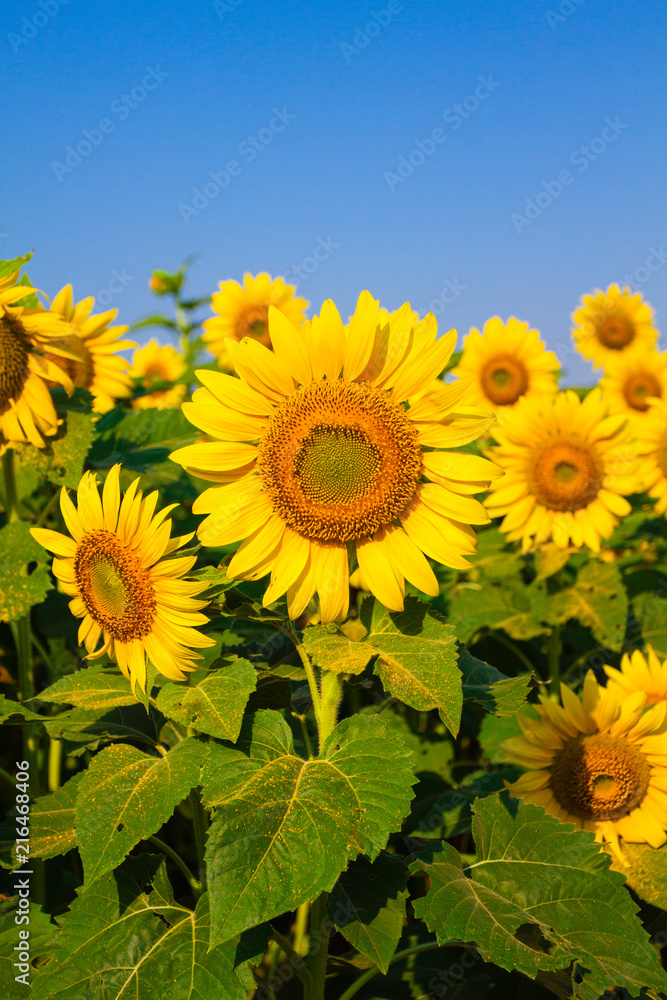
[
  {"x": 454, "y": 116},
  {"x": 224, "y": 7},
  {"x": 21, "y": 881},
  {"x": 565, "y": 10},
  {"x": 581, "y": 158},
  {"x": 116, "y": 284},
  {"x": 451, "y": 290},
  {"x": 377, "y": 20},
  {"x": 122, "y": 108},
  {"x": 323, "y": 250},
  {"x": 657, "y": 258},
  {"x": 249, "y": 149},
  {"x": 30, "y": 26}
]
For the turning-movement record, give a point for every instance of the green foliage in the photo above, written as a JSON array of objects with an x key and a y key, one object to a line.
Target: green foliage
[
  {"x": 308, "y": 817},
  {"x": 70, "y": 448},
  {"x": 23, "y": 570},
  {"x": 524, "y": 901},
  {"x": 498, "y": 694},
  {"x": 598, "y": 600},
  {"x": 215, "y": 705},
  {"x": 96, "y": 688},
  {"x": 141, "y": 439},
  {"x": 331, "y": 649}
]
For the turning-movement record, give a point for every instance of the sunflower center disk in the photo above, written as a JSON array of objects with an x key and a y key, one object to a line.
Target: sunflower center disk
[
  {"x": 13, "y": 359},
  {"x": 81, "y": 372},
  {"x": 114, "y": 587},
  {"x": 254, "y": 322},
  {"x": 504, "y": 379},
  {"x": 600, "y": 777},
  {"x": 339, "y": 460},
  {"x": 638, "y": 389},
  {"x": 565, "y": 475},
  {"x": 616, "y": 332}
]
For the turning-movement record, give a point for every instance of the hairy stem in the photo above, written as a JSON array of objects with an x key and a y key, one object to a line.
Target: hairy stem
[
  {"x": 398, "y": 957},
  {"x": 199, "y": 823},
  {"x": 554, "y": 649},
  {"x": 316, "y": 963},
  {"x": 194, "y": 883},
  {"x": 301, "y": 929},
  {"x": 332, "y": 692}
]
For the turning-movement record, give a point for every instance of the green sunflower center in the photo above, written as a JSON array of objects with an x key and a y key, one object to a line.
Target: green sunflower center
[
  {"x": 565, "y": 474},
  {"x": 504, "y": 379},
  {"x": 637, "y": 390},
  {"x": 600, "y": 777},
  {"x": 114, "y": 586},
  {"x": 14, "y": 350},
  {"x": 254, "y": 322},
  {"x": 616, "y": 332},
  {"x": 339, "y": 460}
]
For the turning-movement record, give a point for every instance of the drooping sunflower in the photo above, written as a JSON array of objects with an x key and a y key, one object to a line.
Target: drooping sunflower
[
  {"x": 651, "y": 445},
  {"x": 243, "y": 311},
  {"x": 129, "y": 594},
  {"x": 611, "y": 323},
  {"x": 506, "y": 363},
  {"x": 597, "y": 762},
  {"x": 632, "y": 380},
  {"x": 568, "y": 466},
  {"x": 323, "y": 452},
  {"x": 99, "y": 367},
  {"x": 647, "y": 674},
  {"x": 33, "y": 353},
  {"x": 155, "y": 363}
]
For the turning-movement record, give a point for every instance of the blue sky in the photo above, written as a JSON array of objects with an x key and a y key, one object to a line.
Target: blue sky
[{"x": 304, "y": 112}]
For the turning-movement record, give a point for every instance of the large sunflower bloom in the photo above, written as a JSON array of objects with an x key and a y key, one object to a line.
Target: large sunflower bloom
[
  {"x": 129, "y": 595},
  {"x": 647, "y": 674},
  {"x": 33, "y": 352},
  {"x": 153, "y": 364},
  {"x": 505, "y": 364},
  {"x": 99, "y": 367},
  {"x": 632, "y": 381},
  {"x": 611, "y": 323},
  {"x": 243, "y": 311},
  {"x": 651, "y": 445},
  {"x": 321, "y": 455},
  {"x": 567, "y": 469},
  {"x": 597, "y": 762}
]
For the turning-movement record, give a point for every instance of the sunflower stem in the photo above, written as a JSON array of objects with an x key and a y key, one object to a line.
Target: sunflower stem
[
  {"x": 332, "y": 692},
  {"x": 55, "y": 764},
  {"x": 312, "y": 680},
  {"x": 194, "y": 883},
  {"x": 554, "y": 649},
  {"x": 301, "y": 929},
  {"x": 398, "y": 957},
  {"x": 11, "y": 496},
  {"x": 199, "y": 823},
  {"x": 316, "y": 962}
]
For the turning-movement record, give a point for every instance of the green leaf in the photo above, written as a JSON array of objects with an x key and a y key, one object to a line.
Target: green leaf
[
  {"x": 8, "y": 267},
  {"x": 22, "y": 586},
  {"x": 126, "y": 936},
  {"x": 416, "y": 657},
  {"x": 308, "y": 817},
  {"x": 528, "y": 898},
  {"x": 650, "y": 613},
  {"x": 52, "y": 825},
  {"x": 16, "y": 712},
  {"x": 140, "y": 439},
  {"x": 598, "y": 600},
  {"x": 451, "y": 814},
  {"x": 216, "y": 705},
  {"x": 330, "y": 649},
  {"x": 495, "y": 692},
  {"x": 94, "y": 687},
  {"x": 645, "y": 871},
  {"x": 70, "y": 448},
  {"x": 42, "y": 934},
  {"x": 91, "y": 726},
  {"x": 508, "y": 604},
  {"x": 126, "y": 796},
  {"x": 367, "y": 906}
]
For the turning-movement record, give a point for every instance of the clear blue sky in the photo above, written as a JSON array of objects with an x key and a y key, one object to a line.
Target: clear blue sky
[{"x": 209, "y": 76}]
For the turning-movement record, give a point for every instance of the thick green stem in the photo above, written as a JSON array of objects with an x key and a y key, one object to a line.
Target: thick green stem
[
  {"x": 301, "y": 929},
  {"x": 316, "y": 963},
  {"x": 332, "y": 692},
  {"x": 55, "y": 763},
  {"x": 312, "y": 681},
  {"x": 398, "y": 957},
  {"x": 199, "y": 823},
  {"x": 554, "y": 648},
  {"x": 11, "y": 496},
  {"x": 194, "y": 883}
]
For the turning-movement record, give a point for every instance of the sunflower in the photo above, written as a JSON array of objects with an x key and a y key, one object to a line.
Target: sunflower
[
  {"x": 128, "y": 594},
  {"x": 651, "y": 445},
  {"x": 98, "y": 367},
  {"x": 243, "y": 311},
  {"x": 322, "y": 451},
  {"x": 597, "y": 762},
  {"x": 639, "y": 673},
  {"x": 153, "y": 364},
  {"x": 612, "y": 323},
  {"x": 632, "y": 380},
  {"x": 568, "y": 466},
  {"x": 33, "y": 353},
  {"x": 507, "y": 363}
]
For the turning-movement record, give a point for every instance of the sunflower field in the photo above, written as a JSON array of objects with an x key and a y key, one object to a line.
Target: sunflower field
[{"x": 333, "y": 651}]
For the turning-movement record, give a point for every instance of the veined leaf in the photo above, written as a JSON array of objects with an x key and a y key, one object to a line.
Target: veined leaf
[
  {"x": 126, "y": 795},
  {"x": 539, "y": 896},
  {"x": 645, "y": 871},
  {"x": 94, "y": 688},
  {"x": 498, "y": 694},
  {"x": 416, "y": 657},
  {"x": 598, "y": 599},
  {"x": 216, "y": 705},
  {"x": 330, "y": 649},
  {"x": 308, "y": 817},
  {"x": 20, "y": 588},
  {"x": 367, "y": 905},
  {"x": 70, "y": 448},
  {"x": 8, "y": 267},
  {"x": 126, "y": 936}
]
